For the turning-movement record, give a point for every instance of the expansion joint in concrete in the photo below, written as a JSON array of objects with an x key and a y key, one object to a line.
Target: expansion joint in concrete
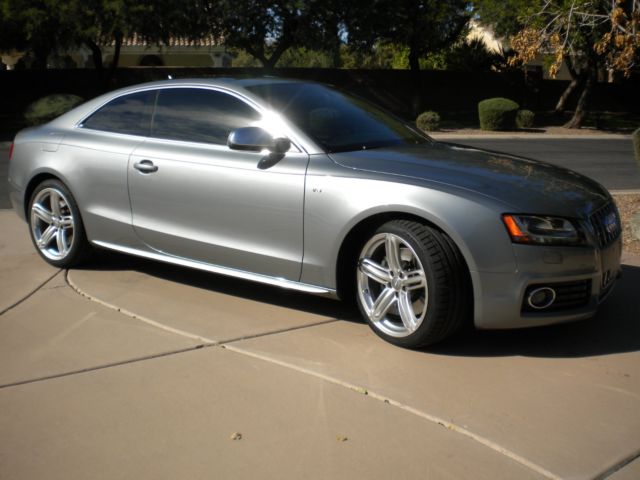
[{"x": 30, "y": 294}]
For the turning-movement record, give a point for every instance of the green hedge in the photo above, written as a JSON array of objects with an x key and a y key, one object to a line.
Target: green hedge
[
  {"x": 428, "y": 121},
  {"x": 47, "y": 108},
  {"x": 497, "y": 114},
  {"x": 525, "y": 118}
]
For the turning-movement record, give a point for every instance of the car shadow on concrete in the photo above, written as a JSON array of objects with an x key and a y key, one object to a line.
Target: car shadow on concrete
[
  {"x": 112, "y": 261},
  {"x": 614, "y": 329}
]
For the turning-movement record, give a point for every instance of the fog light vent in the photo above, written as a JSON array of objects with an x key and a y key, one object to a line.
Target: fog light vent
[{"x": 541, "y": 298}]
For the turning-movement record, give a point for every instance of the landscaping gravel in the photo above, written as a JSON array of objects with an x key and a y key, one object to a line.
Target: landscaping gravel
[{"x": 629, "y": 207}]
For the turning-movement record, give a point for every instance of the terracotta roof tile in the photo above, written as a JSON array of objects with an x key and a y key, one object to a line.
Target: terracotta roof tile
[{"x": 138, "y": 41}]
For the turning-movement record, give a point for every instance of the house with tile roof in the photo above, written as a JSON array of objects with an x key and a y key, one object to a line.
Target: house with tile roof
[{"x": 136, "y": 51}]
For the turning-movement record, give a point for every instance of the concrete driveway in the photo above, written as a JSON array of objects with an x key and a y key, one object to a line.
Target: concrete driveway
[{"x": 129, "y": 369}]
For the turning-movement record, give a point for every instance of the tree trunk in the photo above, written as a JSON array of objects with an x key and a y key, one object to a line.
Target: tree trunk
[
  {"x": 96, "y": 54},
  {"x": 257, "y": 54},
  {"x": 336, "y": 58},
  {"x": 414, "y": 65},
  {"x": 575, "y": 79},
  {"x": 116, "y": 52},
  {"x": 271, "y": 62},
  {"x": 583, "y": 102},
  {"x": 41, "y": 55}
]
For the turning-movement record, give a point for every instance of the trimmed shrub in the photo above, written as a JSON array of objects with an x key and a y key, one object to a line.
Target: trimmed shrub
[
  {"x": 636, "y": 144},
  {"x": 47, "y": 108},
  {"x": 428, "y": 121},
  {"x": 525, "y": 118},
  {"x": 497, "y": 113}
]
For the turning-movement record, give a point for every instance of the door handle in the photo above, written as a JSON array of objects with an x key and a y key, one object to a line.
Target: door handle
[{"x": 145, "y": 166}]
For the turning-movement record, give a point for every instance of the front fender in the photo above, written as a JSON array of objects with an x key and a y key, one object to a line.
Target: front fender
[{"x": 335, "y": 205}]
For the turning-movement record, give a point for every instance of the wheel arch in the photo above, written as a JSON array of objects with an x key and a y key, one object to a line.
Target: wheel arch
[
  {"x": 31, "y": 186},
  {"x": 353, "y": 240},
  {"x": 36, "y": 180}
]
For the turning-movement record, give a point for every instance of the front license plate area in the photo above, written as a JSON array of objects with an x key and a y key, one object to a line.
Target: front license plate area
[{"x": 610, "y": 266}]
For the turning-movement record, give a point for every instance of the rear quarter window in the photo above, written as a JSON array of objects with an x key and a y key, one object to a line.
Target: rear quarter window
[{"x": 129, "y": 114}]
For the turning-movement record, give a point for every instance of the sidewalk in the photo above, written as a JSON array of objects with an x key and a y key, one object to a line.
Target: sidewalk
[{"x": 551, "y": 133}]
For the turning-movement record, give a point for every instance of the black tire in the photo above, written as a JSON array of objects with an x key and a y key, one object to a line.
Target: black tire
[
  {"x": 58, "y": 211},
  {"x": 421, "y": 315}
]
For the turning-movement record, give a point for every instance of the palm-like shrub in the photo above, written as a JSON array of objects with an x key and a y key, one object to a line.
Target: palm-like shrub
[{"x": 47, "y": 108}]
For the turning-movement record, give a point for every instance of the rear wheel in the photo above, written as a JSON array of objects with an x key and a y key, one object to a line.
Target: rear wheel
[
  {"x": 412, "y": 284},
  {"x": 55, "y": 225}
]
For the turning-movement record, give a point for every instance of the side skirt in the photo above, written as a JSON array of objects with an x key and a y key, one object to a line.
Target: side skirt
[{"x": 231, "y": 272}]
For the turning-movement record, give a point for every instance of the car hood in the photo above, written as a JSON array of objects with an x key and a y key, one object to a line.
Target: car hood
[{"x": 527, "y": 186}]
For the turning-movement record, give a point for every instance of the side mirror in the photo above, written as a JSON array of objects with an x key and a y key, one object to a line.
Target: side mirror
[{"x": 254, "y": 139}]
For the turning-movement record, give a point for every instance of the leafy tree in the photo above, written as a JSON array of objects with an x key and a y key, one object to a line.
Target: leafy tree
[
  {"x": 43, "y": 26},
  {"x": 474, "y": 56},
  {"x": 36, "y": 25},
  {"x": 12, "y": 34},
  {"x": 621, "y": 44},
  {"x": 382, "y": 55},
  {"x": 296, "y": 57},
  {"x": 505, "y": 17},
  {"x": 242, "y": 59},
  {"x": 581, "y": 32},
  {"x": 267, "y": 28},
  {"x": 422, "y": 26},
  {"x": 100, "y": 22},
  {"x": 160, "y": 20},
  {"x": 302, "y": 57}
]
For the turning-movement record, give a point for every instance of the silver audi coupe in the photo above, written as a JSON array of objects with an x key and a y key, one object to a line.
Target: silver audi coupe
[{"x": 301, "y": 186}]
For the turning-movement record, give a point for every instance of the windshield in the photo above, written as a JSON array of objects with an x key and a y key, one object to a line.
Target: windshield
[{"x": 336, "y": 121}]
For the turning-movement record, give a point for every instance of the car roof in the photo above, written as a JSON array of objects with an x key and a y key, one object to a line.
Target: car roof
[
  {"x": 219, "y": 82},
  {"x": 236, "y": 84}
]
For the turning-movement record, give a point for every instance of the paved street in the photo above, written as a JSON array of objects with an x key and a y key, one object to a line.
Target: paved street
[{"x": 609, "y": 161}]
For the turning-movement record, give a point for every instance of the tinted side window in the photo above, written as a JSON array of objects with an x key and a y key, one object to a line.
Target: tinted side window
[
  {"x": 127, "y": 114},
  {"x": 199, "y": 115}
]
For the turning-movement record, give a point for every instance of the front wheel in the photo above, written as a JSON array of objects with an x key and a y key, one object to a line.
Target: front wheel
[
  {"x": 55, "y": 225},
  {"x": 412, "y": 284}
]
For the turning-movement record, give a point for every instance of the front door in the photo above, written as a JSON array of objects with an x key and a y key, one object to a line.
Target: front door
[{"x": 193, "y": 197}]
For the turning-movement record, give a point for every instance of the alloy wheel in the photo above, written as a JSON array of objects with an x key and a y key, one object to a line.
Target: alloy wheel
[
  {"x": 392, "y": 285},
  {"x": 52, "y": 223}
]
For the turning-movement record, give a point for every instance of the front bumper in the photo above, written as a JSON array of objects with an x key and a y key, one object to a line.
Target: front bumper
[{"x": 500, "y": 297}]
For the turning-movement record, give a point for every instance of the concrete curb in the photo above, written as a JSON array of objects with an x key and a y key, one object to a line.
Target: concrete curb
[
  {"x": 529, "y": 136},
  {"x": 630, "y": 259},
  {"x": 625, "y": 192}
]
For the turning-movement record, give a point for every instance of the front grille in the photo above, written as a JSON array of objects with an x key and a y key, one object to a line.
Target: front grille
[
  {"x": 568, "y": 295},
  {"x": 605, "y": 223}
]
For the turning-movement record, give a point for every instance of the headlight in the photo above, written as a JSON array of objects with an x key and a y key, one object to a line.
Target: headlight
[{"x": 542, "y": 230}]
